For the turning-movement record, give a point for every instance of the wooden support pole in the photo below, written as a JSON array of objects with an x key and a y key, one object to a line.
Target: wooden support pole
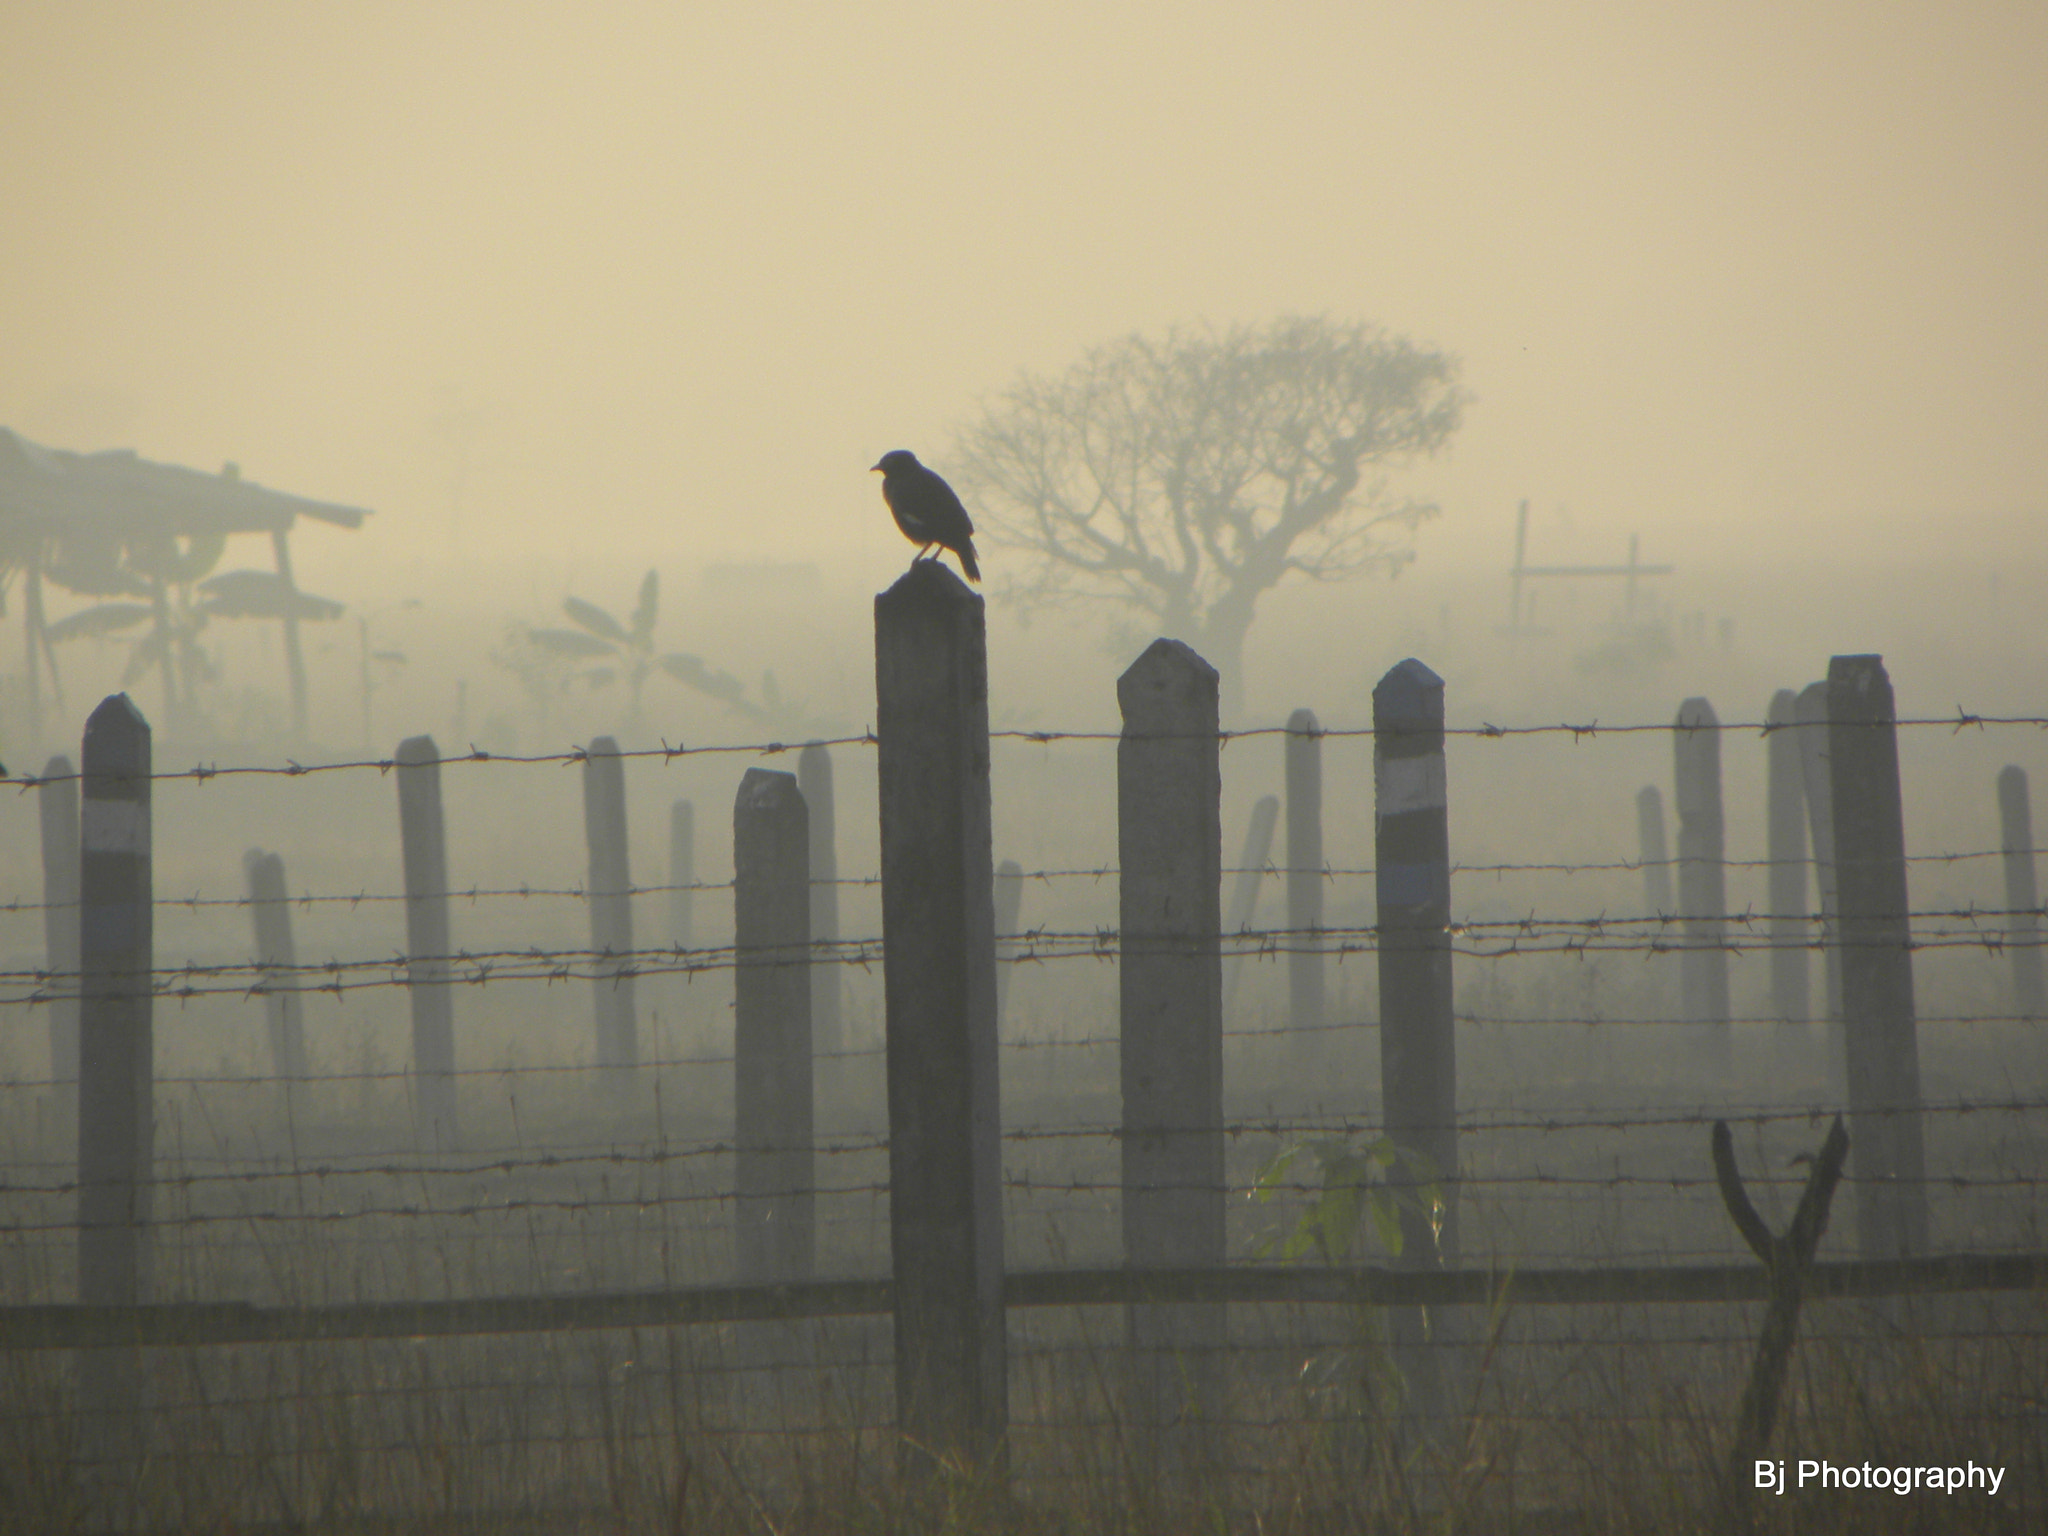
[
  {"x": 1304, "y": 781},
  {"x": 814, "y": 779},
  {"x": 1785, "y": 848},
  {"x": 1702, "y": 879},
  {"x": 1654, "y": 851},
  {"x": 294, "y": 658},
  {"x": 1244, "y": 890},
  {"x": 2022, "y": 896},
  {"x": 1170, "y": 990},
  {"x": 611, "y": 911},
  {"x": 277, "y": 955},
  {"x": 682, "y": 872},
  {"x": 1418, "y": 1036},
  {"x": 1009, "y": 898},
  {"x": 1789, "y": 1259},
  {"x": 116, "y": 1088},
  {"x": 1811, "y": 711},
  {"x": 57, "y": 800},
  {"x": 772, "y": 1030},
  {"x": 938, "y": 943},
  {"x": 1882, "y": 1034},
  {"x": 424, "y": 847}
]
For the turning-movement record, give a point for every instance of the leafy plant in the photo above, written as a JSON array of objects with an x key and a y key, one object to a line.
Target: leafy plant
[
  {"x": 1357, "y": 1197},
  {"x": 1355, "y": 1190},
  {"x": 601, "y": 650}
]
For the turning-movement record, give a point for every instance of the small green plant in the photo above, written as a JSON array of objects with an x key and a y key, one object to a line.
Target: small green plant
[
  {"x": 1355, "y": 1189},
  {"x": 1366, "y": 1187}
]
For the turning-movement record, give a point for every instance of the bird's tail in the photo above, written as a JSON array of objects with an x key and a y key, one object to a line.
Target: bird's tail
[{"x": 966, "y": 553}]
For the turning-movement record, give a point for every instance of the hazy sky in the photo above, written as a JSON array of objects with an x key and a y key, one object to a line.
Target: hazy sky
[{"x": 669, "y": 278}]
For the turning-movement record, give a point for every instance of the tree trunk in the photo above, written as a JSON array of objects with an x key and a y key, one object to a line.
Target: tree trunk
[{"x": 1221, "y": 643}]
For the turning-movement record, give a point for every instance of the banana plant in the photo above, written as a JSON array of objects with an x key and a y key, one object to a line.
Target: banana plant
[{"x": 601, "y": 650}]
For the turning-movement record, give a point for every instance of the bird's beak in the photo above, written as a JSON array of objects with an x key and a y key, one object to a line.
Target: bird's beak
[{"x": 873, "y": 467}]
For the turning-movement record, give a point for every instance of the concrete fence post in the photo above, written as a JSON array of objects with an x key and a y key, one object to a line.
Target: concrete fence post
[
  {"x": 1654, "y": 852},
  {"x": 1811, "y": 711},
  {"x": 1244, "y": 890},
  {"x": 424, "y": 848},
  {"x": 1785, "y": 848},
  {"x": 57, "y": 800},
  {"x": 814, "y": 779},
  {"x": 1009, "y": 899},
  {"x": 1304, "y": 781},
  {"x": 277, "y": 955},
  {"x": 610, "y": 891},
  {"x": 1170, "y": 990},
  {"x": 1702, "y": 878},
  {"x": 1418, "y": 1036},
  {"x": 1882, "y": 1034},
  {"x": 772, "y": 997},
  {"x": 116, "y": 1088},
  {"x": 2022, "y": 896},
  {"x": 938, "y": 946}
]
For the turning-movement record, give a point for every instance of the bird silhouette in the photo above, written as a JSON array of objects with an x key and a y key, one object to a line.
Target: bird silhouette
[{"x": 926, "y": 509}]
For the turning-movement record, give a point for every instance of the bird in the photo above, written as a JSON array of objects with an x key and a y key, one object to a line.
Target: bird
[{"x": 926, "y": 509}]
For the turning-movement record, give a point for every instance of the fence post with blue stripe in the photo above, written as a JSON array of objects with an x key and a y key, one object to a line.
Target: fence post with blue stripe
[{"x": 1418, "y": 1037}]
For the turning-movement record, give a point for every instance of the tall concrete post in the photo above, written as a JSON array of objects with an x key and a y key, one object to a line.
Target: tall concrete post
[
  {"x": 1418, "y": 1036},
  {"x": 939, "y": 986},
  {"x": 1170, "y": 990},
  {"x": 772, "y": 1072},
  {"x": 116, "y": 1088},
  {"x": 1882, "y": 1033}
]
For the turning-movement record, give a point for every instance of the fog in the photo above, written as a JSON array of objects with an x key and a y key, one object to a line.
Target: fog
[{"x": 564, "y": 298}]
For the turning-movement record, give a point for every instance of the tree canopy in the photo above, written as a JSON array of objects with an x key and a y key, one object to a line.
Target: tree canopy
[{"x": 1187, "y": 475}]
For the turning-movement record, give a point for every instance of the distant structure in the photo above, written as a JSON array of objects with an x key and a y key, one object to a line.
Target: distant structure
[
  {"x": 1631, "y": 573},
  {"x": 104, "y": 525}
]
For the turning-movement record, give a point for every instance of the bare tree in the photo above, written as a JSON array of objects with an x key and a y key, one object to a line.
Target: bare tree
[{"x": 1189, "y": 475}]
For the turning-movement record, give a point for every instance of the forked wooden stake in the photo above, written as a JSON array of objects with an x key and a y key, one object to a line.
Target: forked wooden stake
[{"x": 1788, "y": 1259}]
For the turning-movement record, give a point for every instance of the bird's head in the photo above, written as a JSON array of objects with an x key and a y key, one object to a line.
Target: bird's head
[{"x": 896, "y": 462}]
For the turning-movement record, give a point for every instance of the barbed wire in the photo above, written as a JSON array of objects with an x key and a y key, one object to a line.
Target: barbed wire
[
  {"x": 1270, "y": 871},
  {"x": 1524, "y": 936},
  {"x": 525, "y": 1160},
  {"x": 1487, "y": 730},
  {"x": 643, "y": 1202}
]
